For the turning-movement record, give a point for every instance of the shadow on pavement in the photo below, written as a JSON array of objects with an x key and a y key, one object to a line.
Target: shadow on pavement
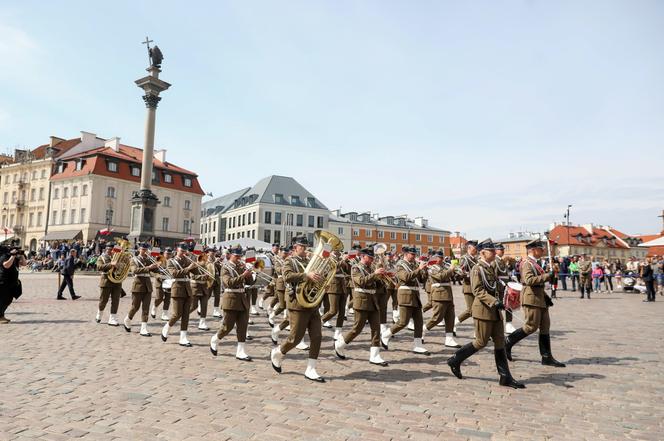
[
  {"x": 561, "y": 379},
  {"x": 390, "y": 375},
  {"x": 53, "y": 322},
  {"x": 602, "y": 360}
]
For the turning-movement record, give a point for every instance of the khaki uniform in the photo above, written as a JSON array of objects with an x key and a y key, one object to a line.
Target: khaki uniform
[
  {"x": 365, "y": 303},
  {"x": 488, "y": 319},
  {"x": 502, "y": 267},
  {"x": 108, "y": 288},
  {"x": 235, "y": 302},
  {"x": 181, "y": 293},
  {"x": 337, "y": 293},
  {"x": 427, "y": 290},
  {"x": 442, "y": 302},
  {"x": 384, "y": 292},
  {"x": 269, "y": 290},
  {"x": 408, "y": 296},
  {"x": 301, "y": 319},
  {"x": 533, "y": 297},
  {"x": 163, "y": 295},
  {"x": 585, "y": 275},
  {"x": 141, "y": 288},
  {"x": 216, "y": 285},
  {"x": 199, "y": 287},
  {"x": 467, "y": 264},
  {"x": 280, "y": 289}
]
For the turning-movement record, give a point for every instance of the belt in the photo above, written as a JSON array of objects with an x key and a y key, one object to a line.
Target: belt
[
  {"x": 198, "y": 282},
  {"x": 414, "y": 288},
  {"x": 366, "y": 291},
  {"x": 142, "y": 275},
  {"x": 340, "y": 275},
  {"x": 438, "y": 285},
  {"x": 181, "y": 280},
  {"x": 234, "y": 290}
]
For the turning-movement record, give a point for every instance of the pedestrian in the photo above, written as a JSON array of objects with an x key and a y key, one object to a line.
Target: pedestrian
[
  {"x": 67, "y": 271},
  {"x": 648, "y": 278},
  {"x": 574, "y": 272},
  {"x": 10, "y": 285},
  {"x": 597, "y": 275},
  {"x": 563, "y": 263},
  {"x": 608, "y": 277}
]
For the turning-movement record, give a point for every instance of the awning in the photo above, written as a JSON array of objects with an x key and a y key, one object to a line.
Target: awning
[{"x": 63, "y": 235}]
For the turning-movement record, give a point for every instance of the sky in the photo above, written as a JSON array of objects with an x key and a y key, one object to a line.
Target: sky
[{"x": 485, "y": 117}]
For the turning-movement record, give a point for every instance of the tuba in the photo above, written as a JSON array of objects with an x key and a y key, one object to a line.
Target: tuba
[
  {"x": 122, "y": 260},
  {"x": 309, "y": 293}
]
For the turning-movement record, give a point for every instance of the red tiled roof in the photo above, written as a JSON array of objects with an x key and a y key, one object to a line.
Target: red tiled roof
[
  {"x": 60, "y": 148},
  {"x": 649, "y": 237},
  {"x": 560, "y": 236},
  {"x": 95, "y": 163},
  {"x": 655, "y": 251}
]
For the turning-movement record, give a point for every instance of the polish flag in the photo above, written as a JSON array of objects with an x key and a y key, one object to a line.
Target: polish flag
[
  {"x": 327, "y": 249},
  {"x": 250, "y": 256},
  {"x": 105, "y": 232},
  {"x": 352, "y": 254},
  {"x": 154, "y": 252},
  {"x": 198, "y": 249},
  {"x": 117, "y": 248}
]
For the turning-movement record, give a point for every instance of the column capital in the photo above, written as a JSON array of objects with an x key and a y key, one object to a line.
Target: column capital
[{"x": 151, "y": 101}]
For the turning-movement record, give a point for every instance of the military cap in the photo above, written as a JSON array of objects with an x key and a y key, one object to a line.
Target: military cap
[
  {"x": 412, "y": 250},
  {"x": 275, "y": 245},
  {"x": 368, "y": 251},
  {"x": 143, "y": 245},
  {"x": 300, "y": 240},
  {"x": 110, "y": 244},
  {"x": 184, "y": 246},
  {"x": 438, "y": 253},
  {"x": 236, "y": 250},
  {"x": 499, "y": 246},
  {"x": 471, "y": 242},
  {"x": 486, "y": 244},
  {"x": 168, "y": 250},
  {"x": 535, "y": 243}
]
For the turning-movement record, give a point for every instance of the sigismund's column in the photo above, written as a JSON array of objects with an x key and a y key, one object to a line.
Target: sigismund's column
[{"x": 144, "y": 201}]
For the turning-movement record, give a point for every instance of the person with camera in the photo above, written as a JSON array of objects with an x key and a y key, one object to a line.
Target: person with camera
[{"x": 10, "y": 285}]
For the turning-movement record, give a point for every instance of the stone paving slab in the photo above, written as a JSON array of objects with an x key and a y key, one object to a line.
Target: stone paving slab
[{"x": 65, "y": 377}]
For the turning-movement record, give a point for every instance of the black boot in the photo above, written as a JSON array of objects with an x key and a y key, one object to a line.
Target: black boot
[
  {"x": 581, "y": 292},
  {"x": 503, "y": 368},
  {"x": 459, "y": 356},
  {"x": 545, "y": 352},
  {"x": 513, "y": 339}
]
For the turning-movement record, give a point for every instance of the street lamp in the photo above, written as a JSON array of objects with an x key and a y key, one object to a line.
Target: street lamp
[{"x": 569, "y": 246}]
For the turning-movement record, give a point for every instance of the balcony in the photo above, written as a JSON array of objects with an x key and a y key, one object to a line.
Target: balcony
[{"x": 18, "y": 229}]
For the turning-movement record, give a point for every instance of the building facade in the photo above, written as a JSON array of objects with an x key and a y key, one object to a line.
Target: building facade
[
  {"x": 598, "y": 242},
  {"x": 71, "y": 189},
  {"x": 274, "y": 210},
  {"x": 355, "y": 228}
]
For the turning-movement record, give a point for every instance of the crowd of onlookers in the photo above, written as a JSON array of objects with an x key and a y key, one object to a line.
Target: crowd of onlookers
[{"x": 51, "y": 256}]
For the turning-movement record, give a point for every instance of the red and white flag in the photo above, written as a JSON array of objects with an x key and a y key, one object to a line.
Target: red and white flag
[
  {"x": 105, "y": 232},
  {"x": 352, "y": 254},
  {"x": 154, "y": 252},
  {"x": 198, "y": 249},
  {"x": 250, "y": 256},
  {"x": 327, "y": 249},
  {"x": 117, "y": 248}
]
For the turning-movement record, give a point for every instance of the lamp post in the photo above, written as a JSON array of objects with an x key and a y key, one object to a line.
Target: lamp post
[{"x": 569, "y": 246}]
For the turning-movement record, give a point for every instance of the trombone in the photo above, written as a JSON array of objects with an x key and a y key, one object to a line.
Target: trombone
[
  {"x": 161, "y": 269},
  {"x": 257, "y": 269},
  {"x": 200, "y": 267}
]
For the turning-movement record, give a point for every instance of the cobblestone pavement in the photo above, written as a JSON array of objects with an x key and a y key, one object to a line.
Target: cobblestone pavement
[{"x": 65, "y": 377}]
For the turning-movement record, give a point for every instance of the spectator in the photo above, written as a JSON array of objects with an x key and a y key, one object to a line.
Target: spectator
[
  {"x": 563, "y": 264},
  {"x": 10, "y": 285},
  {"x": 67, "y": 271},
  {"x": 574, "y": 272},
  {"x": 608, "y": 277},
  {"x": 648, "y": 278},
  {"x": 597, "y": 275}
]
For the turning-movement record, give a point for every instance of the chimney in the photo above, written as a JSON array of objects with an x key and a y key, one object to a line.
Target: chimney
[
  {"x": 160, "y": 155},
  {"x": 113, "y": 143},
  {"x": 54, "y": 140},
  {"x": 588, "y": 227}
]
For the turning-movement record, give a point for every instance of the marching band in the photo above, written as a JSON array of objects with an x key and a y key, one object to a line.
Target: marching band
[{"x": 305, "y": 290}]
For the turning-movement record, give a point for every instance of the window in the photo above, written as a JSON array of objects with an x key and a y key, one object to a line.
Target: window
[
  {"x": 253, "y": 234},
  {"x": 268, "y": 217},
  {"x": 167, "y": 201},
  {"x": 110, "y": 192},
  {"x": 311, "y": 202},
  {"x": 63, "y": 217},
  {"x": 168, "y": 178},
  {"x": 267, "y": 236},
  {"x": 56, "y": 193},
  {"x": 356, "y": 232},
  {"x": 320, "y": 222},
  {"x": 112, "y": 166},
  {"x": 381, "y": 234},
  {"x": 109, "y": 217},
  {"x": 5, "y": 198},
  {"x": 430, "y": 238},
  {"x": 277, "y": 236},
  {"x": 74, "y": 192},
  {"x": 277, "y": 218},
  {"x": 187, "y": 204},
  {"x": 34, "y": 174},
  {"x": 300, "y": 220},
  {"x": 84, "y": 190},
  {"x": 72, "y": 217},
  {"x": 65, "y": 192},
  {"x": 186, "y": 182},
  {"x": 278, "y": 198},
  {"x": 13, "y": 196},
  {"x": 79, "y": 164},
  {"x": 135, "y": 171},
  {"x": 39, "y": 219},
  {"x": 404, "y": 236},
  {"x": 185, "y": 227},
  {"x": 243, "y": 219},
  {"x": 289, "y": 218},
  {"x": 233, "y": 222},
  {"x": 54, "y": 217},
  {"x": 214, "y": 227},
  {"x": 41, "y": 194},
  {"x": 31, "y": 222},
  {"x": 418, "y": 237},
  {"x": 164, "y": 223},
  {"x": 43, "y": 174},
  {"x": 82, "y": 219},
  {"x": 367, "y": 232},
  {"x": 340, "y": 230},
  {"x": 253, "y": 218},
  {"x": 310, "y": 237},
  {"x": 155, "y": 176}
]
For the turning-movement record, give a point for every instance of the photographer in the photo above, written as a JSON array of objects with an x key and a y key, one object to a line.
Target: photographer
[{"x": 10, "y": 285}]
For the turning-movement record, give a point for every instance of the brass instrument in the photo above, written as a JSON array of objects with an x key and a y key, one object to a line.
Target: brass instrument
[
  {"x": 390, "y": 276},
  {"x": 257, "y": 269},
  {"x": 310, "y": 293},
  {"x": 198, "y": 264},
  {"x": 122, "y": 261},
  {"x": 160, "y": 268}
]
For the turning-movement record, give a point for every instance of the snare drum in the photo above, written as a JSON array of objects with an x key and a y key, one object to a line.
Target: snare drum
[{"x": 512, "y": 298}]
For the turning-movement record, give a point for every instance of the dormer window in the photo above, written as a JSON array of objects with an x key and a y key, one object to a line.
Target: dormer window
[
  {"x": 135, "y": 171},
  {"x": 186, "y": 182},
  {"x": 79, "y": 164},
  {"x": 168, "y": 178},
  {"x": 311, "y": 202},
  {"x": 61, "y": 167},
  {"x": 278, "y": 198},
  {"x": 112, "y": 166},
  {"x": 295, "y": 200}
]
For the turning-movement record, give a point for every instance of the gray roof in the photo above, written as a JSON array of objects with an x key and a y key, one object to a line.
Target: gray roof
[
  {"x": 265, "y": 191},
  {"x": 222, "y": 203},
  {"x": 384, "y": 221}
]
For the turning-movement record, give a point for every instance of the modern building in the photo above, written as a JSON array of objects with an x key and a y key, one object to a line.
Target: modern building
[
  {"x": 25, "y": 189},
  {"x": 70, "y": 189},
  {"x": 274, "y": 210},
  {"x": 355, "y": 228}
]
